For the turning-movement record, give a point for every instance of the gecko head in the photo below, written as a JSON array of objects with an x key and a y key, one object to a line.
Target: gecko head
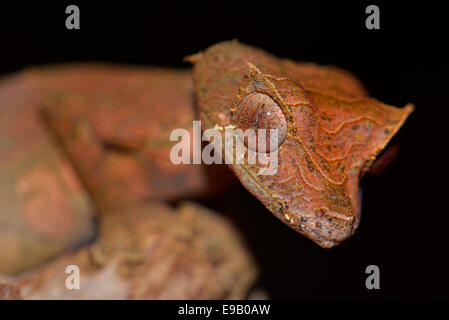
[{"x": 329, "y": 132}]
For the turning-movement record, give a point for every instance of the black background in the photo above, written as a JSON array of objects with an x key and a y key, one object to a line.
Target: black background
[{"x": 404, "y": 214}]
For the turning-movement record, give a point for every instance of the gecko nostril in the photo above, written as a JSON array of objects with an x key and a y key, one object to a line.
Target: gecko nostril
[{"x": 259, "y": 111}]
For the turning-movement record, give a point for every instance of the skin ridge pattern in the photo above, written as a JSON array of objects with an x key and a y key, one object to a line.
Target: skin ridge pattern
[{"x": 100, "y": 147}]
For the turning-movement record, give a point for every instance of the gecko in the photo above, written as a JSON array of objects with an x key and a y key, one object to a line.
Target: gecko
[{"x": 98, "y": 137}]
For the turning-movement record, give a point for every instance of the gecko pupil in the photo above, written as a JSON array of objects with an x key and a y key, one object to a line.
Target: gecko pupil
[{"x": 259, "y": 111}]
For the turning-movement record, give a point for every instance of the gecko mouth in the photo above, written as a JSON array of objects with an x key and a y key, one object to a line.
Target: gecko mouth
[
  {"x": 315, "y": 237},
  {"x": 329, "y": 242},
  {"x": 276, "y": 208}
]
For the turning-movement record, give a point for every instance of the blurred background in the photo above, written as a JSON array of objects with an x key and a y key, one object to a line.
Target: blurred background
[{"x": 405, "y": 219}]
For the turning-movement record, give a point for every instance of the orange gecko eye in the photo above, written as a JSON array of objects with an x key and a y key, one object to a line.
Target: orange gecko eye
[{"x": 259, "y": 111}]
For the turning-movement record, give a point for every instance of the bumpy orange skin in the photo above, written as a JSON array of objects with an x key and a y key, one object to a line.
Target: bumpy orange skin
[{"x": 334, "y": 132}]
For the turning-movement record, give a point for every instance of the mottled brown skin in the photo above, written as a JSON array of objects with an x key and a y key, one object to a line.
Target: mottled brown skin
[
  {"x": 123, "y": 129},
  {"x": 113, "y": 124},
  {"x": 334, "y": 131},
  {"x": 152, "y": 252},
  {"x": 44, "y": 208}
]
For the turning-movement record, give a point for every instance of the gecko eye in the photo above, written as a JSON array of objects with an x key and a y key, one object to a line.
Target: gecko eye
[{"x": 259, "y": 111}]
